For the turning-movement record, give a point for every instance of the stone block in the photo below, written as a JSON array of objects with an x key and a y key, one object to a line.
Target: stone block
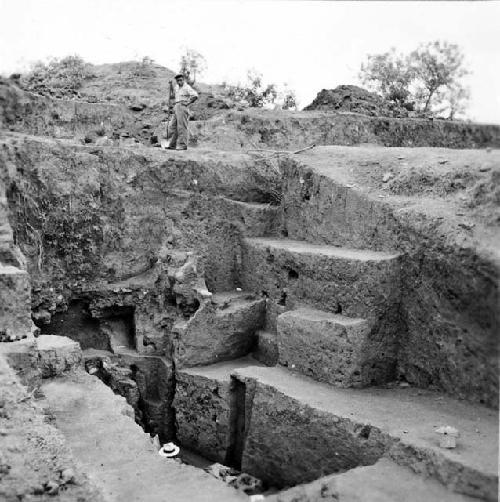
[
  {"x": 222, "y": 329},
  {"x": 57, "y": 355},
  {"x": 333, "y": 348}
]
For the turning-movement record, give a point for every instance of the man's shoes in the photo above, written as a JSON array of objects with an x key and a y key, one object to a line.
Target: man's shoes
[
  {"x": 171, "y": 148},
  {"x": 182, "y": 148}
]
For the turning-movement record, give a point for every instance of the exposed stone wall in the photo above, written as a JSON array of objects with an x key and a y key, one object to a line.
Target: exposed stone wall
[
  {"x": 84, "y": 216},
  {"x": 203, "y": 415},
  {"x": 280, "y": 427}
]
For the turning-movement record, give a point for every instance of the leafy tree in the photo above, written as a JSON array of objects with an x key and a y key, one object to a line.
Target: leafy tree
[
  {"x": 289, "y": 100},
  {"x": 389, "y": 74},
  {"x": 430, "y": 76},
  {"x": 436, "y": 65},
  {"x": 192, "y": 64},
  {"x": 254, "y": 91}
]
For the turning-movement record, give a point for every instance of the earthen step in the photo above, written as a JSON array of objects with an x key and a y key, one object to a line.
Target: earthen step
[
  {"x": 255, "y": 218},
  {"x": 300, "y": 430},
  {"x": 204, "y": 404},
  {"x": 384, "y": 481},
  {"x": 334, "y": 349},
  {"x": 116, "y": 454},
  {"x": 222, "y": 329},
  {"x": 348, "y": 281}
]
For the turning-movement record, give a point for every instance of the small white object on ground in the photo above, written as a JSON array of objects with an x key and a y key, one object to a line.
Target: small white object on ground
[
  {"x": 238, "y": 289},
  {"x": 169, "y": 450},
  {"x": 387, "y": 176},
  {"x": 448, "y": 437}
]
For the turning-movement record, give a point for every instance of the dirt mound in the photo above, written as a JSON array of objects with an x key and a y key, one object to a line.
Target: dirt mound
[
  {"x": 351, "y": 98},
  {"x": 142, "y": 86}
]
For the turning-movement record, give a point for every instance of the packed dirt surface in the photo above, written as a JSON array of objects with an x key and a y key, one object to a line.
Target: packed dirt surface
[
  {"x": 463, "y": 185},
  {"x": 35, "y": 461},
  {"x": 115, "y": 440}
]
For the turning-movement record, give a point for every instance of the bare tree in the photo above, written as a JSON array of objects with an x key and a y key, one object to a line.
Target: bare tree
[{"x": 192, "y": 65}]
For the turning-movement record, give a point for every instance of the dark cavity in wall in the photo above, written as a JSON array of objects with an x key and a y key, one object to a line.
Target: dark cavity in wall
[
  {"x": 117, "y": 324},
  {"x": 237, "y": 424}
]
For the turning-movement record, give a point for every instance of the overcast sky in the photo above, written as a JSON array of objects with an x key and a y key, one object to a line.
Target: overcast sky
[{"x": 309, "y": 45}]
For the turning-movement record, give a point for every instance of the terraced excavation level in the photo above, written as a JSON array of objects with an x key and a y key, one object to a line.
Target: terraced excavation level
[{"x": 304, "y": 327}]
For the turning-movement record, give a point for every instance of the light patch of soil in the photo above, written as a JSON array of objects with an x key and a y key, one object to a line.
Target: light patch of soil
[{"x": 35, "y": 462}]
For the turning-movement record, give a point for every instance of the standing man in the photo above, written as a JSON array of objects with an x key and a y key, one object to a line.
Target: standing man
[{"x": 184, "y": 95}]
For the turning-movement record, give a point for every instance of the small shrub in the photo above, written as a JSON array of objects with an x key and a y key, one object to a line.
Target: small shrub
[{"x": 60, "y": 77}]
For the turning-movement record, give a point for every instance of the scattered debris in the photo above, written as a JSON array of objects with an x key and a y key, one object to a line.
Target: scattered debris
[
  {"x": 247, "y": 483},
  {"x": 138, "y": 107},
  {"x": 468, "y": 225},
  {"x": 448, "y": 437},
  {"x": 51, "y": 487},
  {"x": 68, "y": 476},
  {"x": 239, "y": 480},
  {"x": 387, "y": 176}
]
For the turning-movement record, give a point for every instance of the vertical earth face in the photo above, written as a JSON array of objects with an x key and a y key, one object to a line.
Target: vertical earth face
[{"x": 303, "y": 322}]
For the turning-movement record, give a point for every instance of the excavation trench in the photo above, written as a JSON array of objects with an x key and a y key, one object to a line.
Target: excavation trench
[
  {"x": 216, "y": 416},
  {"x": 139, "y": 384},
  {"x": 211, "y": 422}
]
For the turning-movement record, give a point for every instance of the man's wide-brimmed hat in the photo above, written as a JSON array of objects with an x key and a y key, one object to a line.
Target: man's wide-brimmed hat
[
  {"x": 179, "y": 75},
  {"x": 169, "y": 450}
]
